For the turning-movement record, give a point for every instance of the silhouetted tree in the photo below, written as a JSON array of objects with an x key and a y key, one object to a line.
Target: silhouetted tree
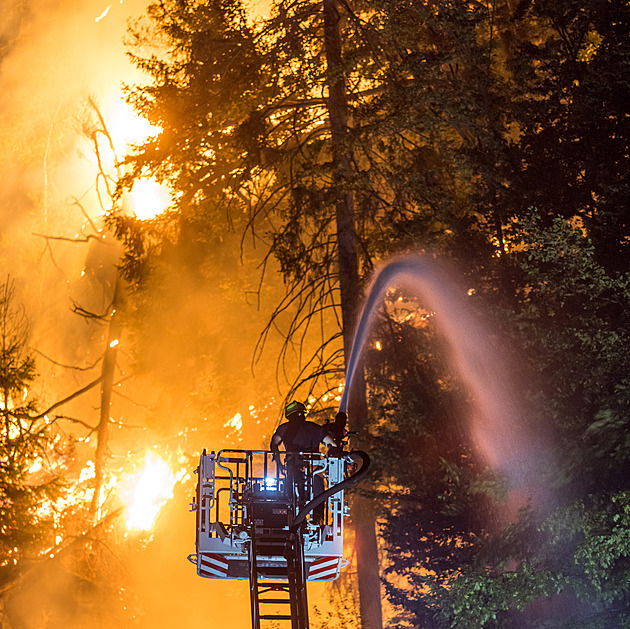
[
  {"x": 570, "y": 104},
  {"x": 25, "y": 440}
]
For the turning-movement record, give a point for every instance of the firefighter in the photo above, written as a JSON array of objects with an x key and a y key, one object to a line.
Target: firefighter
[{"x": 300, "y": 435}]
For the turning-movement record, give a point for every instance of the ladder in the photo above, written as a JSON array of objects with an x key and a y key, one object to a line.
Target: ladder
[{"x": 277, "y": 587}]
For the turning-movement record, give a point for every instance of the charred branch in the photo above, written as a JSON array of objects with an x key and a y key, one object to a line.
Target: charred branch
[{"x": 76, "y": 240}]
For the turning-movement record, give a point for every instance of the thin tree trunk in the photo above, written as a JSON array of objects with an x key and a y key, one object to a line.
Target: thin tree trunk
[
  {"x": 108, "y": 372},
  {"x": 363, "y": 510}
]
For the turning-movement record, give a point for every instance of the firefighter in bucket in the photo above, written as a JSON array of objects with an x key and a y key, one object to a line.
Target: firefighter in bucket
[{"x": 300, "y": 435}]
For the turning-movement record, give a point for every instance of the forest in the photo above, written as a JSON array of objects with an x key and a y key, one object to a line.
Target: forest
[{"x": 480, "y": 147}]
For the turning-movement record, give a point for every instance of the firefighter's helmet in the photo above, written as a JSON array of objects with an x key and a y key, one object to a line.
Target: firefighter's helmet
[{"x": 293, "y": 408}]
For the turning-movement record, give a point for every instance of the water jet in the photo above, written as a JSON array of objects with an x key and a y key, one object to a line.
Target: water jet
[{"x": 498, "y": 426}]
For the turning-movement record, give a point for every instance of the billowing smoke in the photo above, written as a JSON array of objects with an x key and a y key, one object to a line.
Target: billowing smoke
[{"x": 54, "y": 56}]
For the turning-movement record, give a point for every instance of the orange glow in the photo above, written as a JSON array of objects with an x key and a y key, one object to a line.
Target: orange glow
[
  {"x": 149, "y": 491},
  {"x": 147, "y": 198},
  {"x": 126, "y": 127}
]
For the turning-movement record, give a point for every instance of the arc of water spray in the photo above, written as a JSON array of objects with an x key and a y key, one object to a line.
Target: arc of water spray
[
  {"x": 376, "y": 290},
  {"x": 497, "y": 426},
  {"x": 390, "y": 274}
]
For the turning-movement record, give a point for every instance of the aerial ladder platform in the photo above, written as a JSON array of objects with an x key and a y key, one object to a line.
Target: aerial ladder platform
[{"x": 275, "y": 519}]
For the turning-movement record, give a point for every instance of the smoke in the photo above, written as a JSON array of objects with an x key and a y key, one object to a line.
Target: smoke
[
  {"x": 186, "y": 374},
  {"x": 54, "y": 56}
]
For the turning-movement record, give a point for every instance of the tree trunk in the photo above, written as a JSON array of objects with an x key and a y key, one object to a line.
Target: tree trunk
[
  {"x": 108, "y": 372},
  {"x": 363, "y": 510}
]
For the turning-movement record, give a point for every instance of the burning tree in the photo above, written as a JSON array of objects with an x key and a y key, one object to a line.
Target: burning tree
[
  {"x": 55, "y": 562},
  {"x": 38, "y": 506},
  {"x": 59, "y": 539}
]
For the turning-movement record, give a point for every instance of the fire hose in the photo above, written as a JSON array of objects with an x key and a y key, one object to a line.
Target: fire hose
[{"x": 351, "y": 480}]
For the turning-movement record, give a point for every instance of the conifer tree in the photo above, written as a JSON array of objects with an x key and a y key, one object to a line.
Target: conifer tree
[{"x": 25, "y": 439}]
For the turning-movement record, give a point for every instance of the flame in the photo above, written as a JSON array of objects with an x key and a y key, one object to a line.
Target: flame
[
  {"x": 76, "y": 493},
  {"x": 148, "y": 198},
  {"x": 150, "y": 490},
  {"x": 143, "y": 493},
  {"x": 235, "y": 422},
  {"x": 36, "y": 466}
]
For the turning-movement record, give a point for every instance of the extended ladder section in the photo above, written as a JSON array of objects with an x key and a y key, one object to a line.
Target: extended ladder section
[
  {"x": 277, "y": 521},
  {"x": 284, "y": 598}
]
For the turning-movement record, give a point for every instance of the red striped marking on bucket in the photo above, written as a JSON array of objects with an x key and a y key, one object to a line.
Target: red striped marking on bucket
[
  {"x": 211, "y": 565},
  {"x": 324, "y": 569}
]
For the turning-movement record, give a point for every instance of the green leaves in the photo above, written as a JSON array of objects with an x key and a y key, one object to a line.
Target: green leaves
[{"x": 484, "y": 599}]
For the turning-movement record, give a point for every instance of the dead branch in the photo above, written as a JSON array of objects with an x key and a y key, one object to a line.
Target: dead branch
[
  {"x": 69, "y": 398},
  {"x": 73, "y": 420},
  {"x": 87, "y": 314},
  {"x": 66, "y": 239},
  {"x": 87, "y": 216},
  {"x": 54, "y": 362}
]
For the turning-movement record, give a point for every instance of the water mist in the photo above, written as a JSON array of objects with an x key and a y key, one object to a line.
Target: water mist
[{"x": 497, "y": 424}]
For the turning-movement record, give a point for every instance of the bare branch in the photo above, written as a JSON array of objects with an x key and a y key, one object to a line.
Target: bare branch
[
  {"x": 73, "y": 420},
  {"x": 80, "y": 310},
  {"x": 87, "y": 216},
  {"x": 54, "y": 362},
  {"x": 69, "y": 398},
  {"x": 65, "y": 239}
]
